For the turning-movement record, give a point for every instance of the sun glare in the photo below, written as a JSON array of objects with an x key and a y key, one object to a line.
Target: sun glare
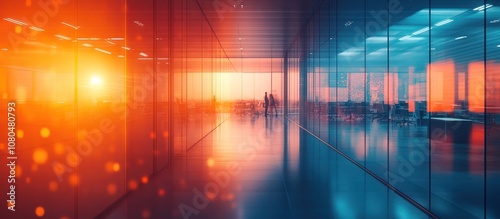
[{"x": 96, "y": 80}]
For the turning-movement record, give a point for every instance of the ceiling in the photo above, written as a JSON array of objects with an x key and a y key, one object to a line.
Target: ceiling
[
  {"x": 257, "y": 28},
  {"x": 253, "y": 29}
]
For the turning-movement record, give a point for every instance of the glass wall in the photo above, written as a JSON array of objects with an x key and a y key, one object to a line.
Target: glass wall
[
  {"x": 412, "y": 96},
  {"x": 102, "y": 95}
]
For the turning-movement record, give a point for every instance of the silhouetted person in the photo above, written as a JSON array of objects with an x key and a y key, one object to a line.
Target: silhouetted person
[
  {"x": 266, "y": 104},
  {"x": 272, "y": 103}
]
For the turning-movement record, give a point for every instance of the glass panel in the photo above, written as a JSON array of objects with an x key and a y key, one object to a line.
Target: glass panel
[
  {"x": 377, "y": 111},
  {"x": 350, "y": 78},
  {"x": 457, "y": 147},
  {"x": 404, "y": 84},
  {"x": 36, "y": 53},
  {"x": 326, "y": 185},
  {"x": 492, "y": 111},
  {"x": 333, "y": 105},
  {"x": 140, "y": 129},
  {"x": 163, "y": 106}
]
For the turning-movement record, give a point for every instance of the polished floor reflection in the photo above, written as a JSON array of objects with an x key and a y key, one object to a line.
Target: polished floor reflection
[{"x": 263, "y": 168}]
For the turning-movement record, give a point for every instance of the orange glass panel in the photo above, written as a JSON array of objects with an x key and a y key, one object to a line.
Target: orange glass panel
[
  {"x": 461, "y": 86},
  {"x": 391, "y": 88},
  {"x": 411, "y": 106},
  {"x": 492, "y": 87},
  {"x": 441, "y": 89},
  {"x": 476, "y": 87},
  {"x": 411, "y": 98}
]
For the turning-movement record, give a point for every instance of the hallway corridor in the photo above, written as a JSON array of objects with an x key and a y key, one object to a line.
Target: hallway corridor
[
  {"x": 262, "y": 168},
  {"x": 149, "y": 109}
]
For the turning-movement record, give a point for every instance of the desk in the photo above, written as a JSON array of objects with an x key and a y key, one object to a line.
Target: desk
[{"x": 453, "y": 130}]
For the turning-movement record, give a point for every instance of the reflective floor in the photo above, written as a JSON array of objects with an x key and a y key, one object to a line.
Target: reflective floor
[{"x": 263, "y": 168}]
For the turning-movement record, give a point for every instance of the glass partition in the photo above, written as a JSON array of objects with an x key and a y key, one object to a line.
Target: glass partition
[{"x": 412, "y": 95}]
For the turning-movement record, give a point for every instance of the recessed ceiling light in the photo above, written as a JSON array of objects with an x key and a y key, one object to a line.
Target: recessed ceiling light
[
  {"x": 62, "y": 37},
  {"x": 15, "y": 21},
  {"x": 139, "y": 23},
  {"x": 444, "y": 22},
  {"x": 405, "y": 37},
  {"x": 89, "y": 39},
  {"x": 69, "y": 25},
  {"x": 37, "y": 29},
  {"x": 103, "y": 51},
  {"x": 423, "y": 30},
  {"x": 482, "y": 7}
]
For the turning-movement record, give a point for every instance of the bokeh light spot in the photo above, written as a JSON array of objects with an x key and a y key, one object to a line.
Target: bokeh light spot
[
  {"x": 18, "y": 29},
  {"x": 19, "y": 171},
  {"x": 44, "y": 132},
  {"x": 210, "y": 162},
  {"x": 132, "y": 185},
  {"x": 2, "y": 146},
  {"x": 74, "y": 180},
  {"x": 109, "y": 167},
  {"x": 146, "y": 214},
  {"x": 211, "y": 195},
  {"x": 112, "y": 167},
  {"x": 20, "y": 133},
  {"x": 161, "y": 192},
  {"x": 39, "y": 211},
  {"x": 111, "y": 189},
  {"x": 28, "y": 3},
  {"x": 145, "y": 179},
  {"x": 152, "y": 135},
  {"x": 40, "y": 156},
  {"x": 116, "y": 167},
  {"x": 53, "y": 186}
]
